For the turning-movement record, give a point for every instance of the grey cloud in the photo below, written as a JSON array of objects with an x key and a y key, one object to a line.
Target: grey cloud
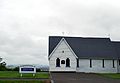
[
  {"x": 21, "y": 46},
  {"x": 26, "y": 24}
]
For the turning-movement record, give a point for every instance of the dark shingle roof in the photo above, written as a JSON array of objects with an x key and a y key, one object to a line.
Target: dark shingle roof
[
  {"x": 87, "y": 47},
  {"x": 117, "y": 48}
]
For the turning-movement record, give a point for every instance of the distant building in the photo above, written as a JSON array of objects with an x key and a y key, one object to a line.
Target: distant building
[{"x": 79, "y": 54}]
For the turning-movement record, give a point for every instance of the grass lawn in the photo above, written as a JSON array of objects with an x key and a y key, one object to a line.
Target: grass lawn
[
  {"x": 15, "y": 74},
  {"x": 20, "y": 81},
  {"x": 111, "y": 75}
]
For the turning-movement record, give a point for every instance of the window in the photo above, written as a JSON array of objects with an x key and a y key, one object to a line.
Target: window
[
  {"x": 113, "y": 64},
  {"x": 90, "y": 63},
  {"x": 67, "y": 62},
  {"x": 103, "y": 63},
  {"x": 57, "y": 62},
  {"x": 63, "y": 62},
  {"x": 119, "y": 62},
  {"x": 62, "y": 51},
  {"x": 77, "y": 62}
]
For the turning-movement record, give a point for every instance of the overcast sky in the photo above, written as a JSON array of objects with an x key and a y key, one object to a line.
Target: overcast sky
[{"x": 26, "y": 24}]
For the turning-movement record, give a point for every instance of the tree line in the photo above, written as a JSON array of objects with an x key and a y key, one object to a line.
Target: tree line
[{"x": 4, "y": 68}]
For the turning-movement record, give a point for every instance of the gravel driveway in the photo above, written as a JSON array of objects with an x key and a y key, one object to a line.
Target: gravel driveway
[{"x": 81, "y": 78}]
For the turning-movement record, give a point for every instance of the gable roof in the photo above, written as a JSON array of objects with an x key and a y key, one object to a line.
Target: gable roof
[
  {"x": 87, "y": 47},
  {"x": 59, "y": 45}
]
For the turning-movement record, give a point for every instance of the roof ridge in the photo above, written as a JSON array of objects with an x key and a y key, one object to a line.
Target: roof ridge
[{"x": 81, "y": 37}]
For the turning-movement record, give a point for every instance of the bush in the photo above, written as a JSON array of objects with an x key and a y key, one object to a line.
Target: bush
[
  {"x": 8, "y": 69},
  {"x": 38, "y": 69},
  {"x": 16, "y": 69}
]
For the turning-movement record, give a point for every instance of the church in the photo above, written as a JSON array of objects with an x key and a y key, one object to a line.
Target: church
[{"x": 83, "y": 54}]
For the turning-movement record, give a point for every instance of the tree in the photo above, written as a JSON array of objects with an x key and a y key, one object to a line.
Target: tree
[
  {"x": 3, "y": 66},
  {"x": 3, "y": 63}
]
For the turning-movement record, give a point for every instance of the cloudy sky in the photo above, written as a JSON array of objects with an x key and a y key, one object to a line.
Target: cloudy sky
[{"x": 26, "y": 24}]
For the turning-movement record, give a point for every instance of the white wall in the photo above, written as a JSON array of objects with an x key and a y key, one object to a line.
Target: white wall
[
  {"x": 62, "y": 56},
  {"x": 84, "y": 66},
  {"x": 118, "y": 66}
]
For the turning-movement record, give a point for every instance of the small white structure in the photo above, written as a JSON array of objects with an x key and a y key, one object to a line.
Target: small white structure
[
  {"x": 79, "y": 54},
  {"x": 27, "y": 69}
]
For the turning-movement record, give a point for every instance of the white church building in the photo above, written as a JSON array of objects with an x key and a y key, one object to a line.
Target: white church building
[{"x": 83, "y": 54}]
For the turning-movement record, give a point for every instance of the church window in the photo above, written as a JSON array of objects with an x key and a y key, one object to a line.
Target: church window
[
  {"x": 67, "y": 62},
  {"x": 90, "y": 63},
  {"x": 63, "y": 62},
  {"x": 57, "y": 62}
]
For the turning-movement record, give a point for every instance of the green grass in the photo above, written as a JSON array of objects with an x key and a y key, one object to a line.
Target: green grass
[
  {"x": 21, "y": 81},
  {"x": 111, "y": 75},
  {"x": 15, "y": 74}
]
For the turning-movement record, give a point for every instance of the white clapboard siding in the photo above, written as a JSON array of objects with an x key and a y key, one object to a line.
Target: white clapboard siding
[
  {"x": 97, "y": 67},
  {"x": 118, "y": 64}
]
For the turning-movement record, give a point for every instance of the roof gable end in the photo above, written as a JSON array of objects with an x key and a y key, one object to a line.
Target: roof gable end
[{"x": 63, "y": 39}]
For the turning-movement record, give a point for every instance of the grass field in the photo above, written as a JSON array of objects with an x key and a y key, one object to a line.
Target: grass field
[
  {"x": 12, "y": 81},
  {"x": 15, "y": 74},
  {"x": 111, "y": 75}
]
